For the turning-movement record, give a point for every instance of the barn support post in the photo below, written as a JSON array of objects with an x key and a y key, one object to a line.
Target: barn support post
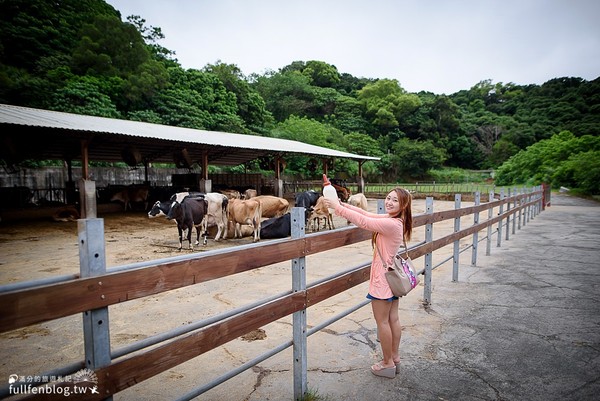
[
  {"x": 428, "y": 256},
  {"x": 70, "y": 184},
  {"x": 92, "y": 262},
  {"x": 475, "y": 234},
  {"x": 299, "y": 318},
  {"x": 146, "y": 167},
  {"x": 360, "y": 180},
  {"x": 85, "y": 161},
  {"x": 205, "y": 185},
  {"x": 456, "y": 254},
  {"x": 87, "y": 198}
]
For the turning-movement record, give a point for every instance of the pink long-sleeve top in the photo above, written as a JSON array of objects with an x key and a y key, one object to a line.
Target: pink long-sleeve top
[{"x": 389, "y": 239}]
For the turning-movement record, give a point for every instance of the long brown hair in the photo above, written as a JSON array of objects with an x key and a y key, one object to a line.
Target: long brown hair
[{"x": 405, "y": 213}]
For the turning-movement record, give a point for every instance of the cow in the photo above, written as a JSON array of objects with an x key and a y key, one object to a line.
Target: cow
[
  {"x": 342, "y": 192},
  {"x": 272, "y": 206},
  {"x": 320, "y": 211},
  {"x": 307, "y": 199},
  {"x": 358, "y": 200},
  {"x": 250, "y": 193},
  {"x": 132, "y": 194},
  {"x": 279, "y": 227},
  {"x": 231, "y": 193},
  {"x": 218, "y": 205},
  {"x": 216, "y": 214},
  {"x": 188, "y": 214},
  {"x": 276, "y": 227},
  {"x": 161, "y": 208},
  {"x": 245, "y": 212}
]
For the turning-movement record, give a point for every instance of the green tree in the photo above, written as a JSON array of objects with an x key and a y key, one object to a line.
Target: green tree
[
  {"x": 581, "y": 171},
  {"x": 387, "y": 103},
  {"x": 250, "y": 105},
  {"x": 552, "y": 160},
  {"x": 411, "y": 160},
  {"x": 285, "y": 93},
  {"x": 84, "y": 96},
  {"x": 197, "y": 99}
]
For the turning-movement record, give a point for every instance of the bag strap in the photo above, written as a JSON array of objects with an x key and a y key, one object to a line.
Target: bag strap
[
  {"x": 405, "y": 247},
  {"x": 381, "y": 257}
]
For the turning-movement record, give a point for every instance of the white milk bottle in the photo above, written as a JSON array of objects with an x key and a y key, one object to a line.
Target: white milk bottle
[{"x": 329, "y": 191}]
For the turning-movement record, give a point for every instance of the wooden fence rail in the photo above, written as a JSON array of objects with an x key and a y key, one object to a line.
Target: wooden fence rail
[{"x": 40, "y": 303}]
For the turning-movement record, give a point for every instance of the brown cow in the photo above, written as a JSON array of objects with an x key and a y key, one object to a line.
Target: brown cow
[
  {"x": 272, "y": 206},
  {"x": 320, "y": 211},
  {"x": 132, "y": 194},
  {"x": 245, "y": 212},
  {"x": 231, "y": 193},
  {"x": 342, "y": 192},
  {"x": 250, "y": 193}
]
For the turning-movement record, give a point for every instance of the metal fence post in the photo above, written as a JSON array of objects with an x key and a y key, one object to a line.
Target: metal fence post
[
  {"x": 455, "y": 259},
  {"x": 508, "y": 215},
  {"x": 299, "y": 318},
  {"x": 92, "y": 263},
  {"x": 515, "y": 204},
  {"x": 475, "y": 234},
  {"x": 500, "y": 211},
  {"x": 488, "y": 245},
  {"x": 520, "y": 208},
  {"x": 428, "y": 256}
]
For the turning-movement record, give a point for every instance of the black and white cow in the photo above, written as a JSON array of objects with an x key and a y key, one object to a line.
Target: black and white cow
[
  {"x": 189, "y": 213},
  {"x": 160, "y": 209}
]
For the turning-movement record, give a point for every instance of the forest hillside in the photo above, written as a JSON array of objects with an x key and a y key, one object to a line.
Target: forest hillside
[{"x": 82, "y": 57}]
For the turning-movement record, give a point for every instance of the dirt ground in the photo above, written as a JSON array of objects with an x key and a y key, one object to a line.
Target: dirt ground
[{"x": 38, "y": 249}]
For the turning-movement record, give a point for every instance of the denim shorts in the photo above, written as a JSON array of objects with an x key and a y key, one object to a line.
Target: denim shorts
[{"x": 380, "y": 299}]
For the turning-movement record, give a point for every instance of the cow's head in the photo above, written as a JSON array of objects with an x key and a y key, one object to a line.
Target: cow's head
[
  {"x": 174, "y": 210},
  {"x": 156, "y": 210}
]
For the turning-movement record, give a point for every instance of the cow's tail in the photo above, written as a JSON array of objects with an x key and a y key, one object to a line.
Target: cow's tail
[
  {"x": 257, "y": 217},
  {"x": 225, "y": 212}
]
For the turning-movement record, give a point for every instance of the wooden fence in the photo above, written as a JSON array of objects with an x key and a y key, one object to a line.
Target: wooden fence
[{"x": 96, "y": 289}]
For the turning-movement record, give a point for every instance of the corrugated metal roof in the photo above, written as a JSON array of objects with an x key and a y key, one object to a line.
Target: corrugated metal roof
[{"x": 50, "y": 134}]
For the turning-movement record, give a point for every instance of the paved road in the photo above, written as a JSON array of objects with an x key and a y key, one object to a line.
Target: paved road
[{"x": 522, "y": 325}]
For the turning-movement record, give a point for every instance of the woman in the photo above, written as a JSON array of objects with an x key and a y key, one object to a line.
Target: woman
[{"x": 389, "y": 231}]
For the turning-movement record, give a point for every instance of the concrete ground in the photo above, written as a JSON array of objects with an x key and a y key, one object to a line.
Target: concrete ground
[{"x": 524, "y": 324}]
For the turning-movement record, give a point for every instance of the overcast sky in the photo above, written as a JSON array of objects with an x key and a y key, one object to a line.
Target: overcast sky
[{"x": 441, "y": 46}]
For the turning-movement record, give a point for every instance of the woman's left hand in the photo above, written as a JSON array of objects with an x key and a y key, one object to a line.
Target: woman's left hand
[{"x": 331, "y": 204}]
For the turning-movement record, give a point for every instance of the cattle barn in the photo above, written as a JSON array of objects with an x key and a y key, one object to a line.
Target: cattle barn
[{"x": 37, "y": 134}]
